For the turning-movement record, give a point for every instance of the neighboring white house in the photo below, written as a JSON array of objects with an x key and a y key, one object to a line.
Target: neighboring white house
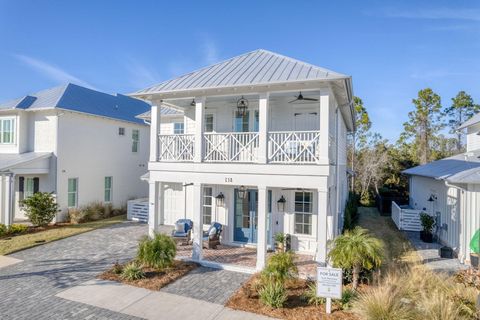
[
  {"x": 253, "y": 129},
  {"x": 449, "y": 189},
  {"x": 80, "y": 144}
]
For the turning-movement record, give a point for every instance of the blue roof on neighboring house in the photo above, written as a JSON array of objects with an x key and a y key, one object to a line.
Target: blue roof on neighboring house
[{"x": 80, "y": 99}]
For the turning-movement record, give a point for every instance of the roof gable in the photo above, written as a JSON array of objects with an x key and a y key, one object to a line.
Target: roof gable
[{"x": 252, "y": 68}]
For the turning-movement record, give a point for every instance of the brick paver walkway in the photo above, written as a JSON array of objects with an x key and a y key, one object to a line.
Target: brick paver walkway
[
  {"x": 28, "y": 288},
  {"x": 208, "y": 284}
]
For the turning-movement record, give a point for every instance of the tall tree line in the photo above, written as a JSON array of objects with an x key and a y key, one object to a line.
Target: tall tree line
[{"x": 429, "y": 134}]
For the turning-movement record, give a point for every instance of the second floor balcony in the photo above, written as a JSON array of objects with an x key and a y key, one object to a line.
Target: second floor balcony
[{"x": 301, "y": 147}]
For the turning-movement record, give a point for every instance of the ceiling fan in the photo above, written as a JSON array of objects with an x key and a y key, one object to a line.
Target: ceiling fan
[{"x": 300, "y": 98}]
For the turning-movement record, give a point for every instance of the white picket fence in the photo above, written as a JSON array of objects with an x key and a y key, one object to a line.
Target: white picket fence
[
  {"x": 137, "y": 210},
  {"x": 406, "y": 218}
]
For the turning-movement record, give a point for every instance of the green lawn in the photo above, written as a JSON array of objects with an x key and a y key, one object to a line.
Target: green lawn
[
  {"x": 20, "y": 242},
  {"x": 398, "y": 249}
]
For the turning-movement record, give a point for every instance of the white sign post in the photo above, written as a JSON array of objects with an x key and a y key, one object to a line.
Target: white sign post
[{"x": 329, "y": 284}]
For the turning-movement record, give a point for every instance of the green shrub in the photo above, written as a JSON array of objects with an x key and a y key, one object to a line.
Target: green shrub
[
  {"x": 157, "y": 252},
  {"x": 117, "y": 268},
  {"x": 3, "y": 229},
  {"x": 17, "y": 229},
  {"x": 40, "y": 208},
  {"x": 427, "y": 221},
  {"x": 351, "y": 211},
  {"x": 311, "y": 297},
  {"x": 94, "y": 211},
  {"x": 132, "y": 272},
  {"x": 273, "y": 294},
  {"x": 348, "y": 295},
  {"x": 280, "y": 267}
]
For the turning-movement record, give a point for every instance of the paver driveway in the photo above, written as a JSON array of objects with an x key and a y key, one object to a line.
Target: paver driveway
[{"x": 27, "y": 289}]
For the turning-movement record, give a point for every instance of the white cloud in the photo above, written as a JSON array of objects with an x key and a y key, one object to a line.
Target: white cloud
[
  {"x": 141, "y": 75},
  {"x": 51, "y": 71},
  {"x": 432, "y": 13},
  {"x": 209, "y": 50}
]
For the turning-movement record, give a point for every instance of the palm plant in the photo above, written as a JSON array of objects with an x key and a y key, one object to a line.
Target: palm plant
[{"x": 356, "y": 249}]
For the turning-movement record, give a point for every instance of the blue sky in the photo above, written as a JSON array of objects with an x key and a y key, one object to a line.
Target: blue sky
[{"x": 391, "y": 48}]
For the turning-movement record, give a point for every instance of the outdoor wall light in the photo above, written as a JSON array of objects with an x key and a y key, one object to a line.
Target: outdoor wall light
[
  {"x": 220, "y": 200},
  {"x": 281, "y": 204},
  {"x": 432, "y": 198},
  {"x": 242, "y": 106},
  {"x": 193, "y": 103},
  {"x": 242, "y": 192}
]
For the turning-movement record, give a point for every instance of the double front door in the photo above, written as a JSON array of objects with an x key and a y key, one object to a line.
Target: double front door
[{"x": 246, "y": 218}]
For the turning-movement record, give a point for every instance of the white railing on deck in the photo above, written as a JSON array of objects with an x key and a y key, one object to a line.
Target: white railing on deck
[
  {"x": 406, "y": 218},
  {"x": 293, "y": 146},
  {"x": 231, "y": 147},
  {"x": 176, "y": 147}
]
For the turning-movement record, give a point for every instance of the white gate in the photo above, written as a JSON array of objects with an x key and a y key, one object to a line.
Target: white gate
[
  {"x": 405, "y": 218},
  {"x": 137, "y": 210}
]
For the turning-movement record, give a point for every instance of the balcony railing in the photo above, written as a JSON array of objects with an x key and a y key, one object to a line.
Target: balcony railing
[
  {"x": 284, "y": 147},
  {"x": 293, "y": 146},
  {"x": 231, "y": 147},
  {"x": 177, "y": 147}
]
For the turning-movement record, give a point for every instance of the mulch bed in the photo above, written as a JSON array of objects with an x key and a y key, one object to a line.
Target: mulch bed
[
  {"x": 296, "y": 308},
  {"x": 154, "y": 279}
]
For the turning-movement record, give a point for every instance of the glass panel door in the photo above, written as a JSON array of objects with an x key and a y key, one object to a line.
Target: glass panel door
[{"x": 246, "y": 220}]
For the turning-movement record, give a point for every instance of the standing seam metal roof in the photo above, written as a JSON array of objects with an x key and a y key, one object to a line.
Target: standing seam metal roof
[{"x": 252, "y": 68}]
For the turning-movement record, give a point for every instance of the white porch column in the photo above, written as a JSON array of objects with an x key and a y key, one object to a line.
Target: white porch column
[
  {"x": 199, "y": 128},
  {"x": 322, "y": 199},
  {"x": 8, "y": 200},
  {"x": 324, "y": 127},
  {"x": 263, "y": 113},
  {"x": 197, "y": 222},
  {"x": 153, "y": 207},
  {"x": 154, "y": 132},
  {"x": 262, "y": 227},
  {"x": 2, "y": 211}
]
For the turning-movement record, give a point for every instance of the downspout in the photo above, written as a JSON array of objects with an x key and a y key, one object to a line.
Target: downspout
[{"x": 337, "y": 175}]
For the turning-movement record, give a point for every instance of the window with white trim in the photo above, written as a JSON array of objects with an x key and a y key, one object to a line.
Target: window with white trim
[
  {"x": 209, "y": 123},
  {"x": 135, "y": 139},
  {"x": 178, "y": 128},
  {"x": 72, "y": 192},
  {"x": 7, "y": 131},
  {"x": 207, "y": 205},
  {"x": 303, "y": 212},
  {"x": 108, "y": 189}
]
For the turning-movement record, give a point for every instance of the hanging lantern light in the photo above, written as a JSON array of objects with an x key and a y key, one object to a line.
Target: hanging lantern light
[
  {"x": 242, "y": 192},
  {"x": 242, "y": 106},
  {"x": 220, "y": 200},
  {"x": 281, "y": 204}
]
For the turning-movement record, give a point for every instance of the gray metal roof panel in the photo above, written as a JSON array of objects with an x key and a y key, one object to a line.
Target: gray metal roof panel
[
  {"x": 470, "y": 122},
  {"x": 10, "y": 160},
  {"x": 453, "y": 169},
  {"x": 252, "y": 68}
]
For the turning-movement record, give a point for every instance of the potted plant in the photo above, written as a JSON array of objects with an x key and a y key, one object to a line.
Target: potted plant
[
  {"x": 428, "y": 223},
  {"x": 280, "y": 242}
]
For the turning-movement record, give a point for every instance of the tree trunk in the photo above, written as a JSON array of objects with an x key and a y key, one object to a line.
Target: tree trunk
[{"x": 355, "y": 276}]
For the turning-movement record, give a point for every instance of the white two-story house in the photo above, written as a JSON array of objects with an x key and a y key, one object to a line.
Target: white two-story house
[
  {"x": 256, "y": 143},
  {"x": 83, "y": 145}
]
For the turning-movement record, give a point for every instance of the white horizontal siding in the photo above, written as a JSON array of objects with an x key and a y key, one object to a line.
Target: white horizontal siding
[{"x": 473, "y": 139}]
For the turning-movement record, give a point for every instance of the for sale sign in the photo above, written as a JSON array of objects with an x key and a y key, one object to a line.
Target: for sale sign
[{"x": 329, "y": 282}]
